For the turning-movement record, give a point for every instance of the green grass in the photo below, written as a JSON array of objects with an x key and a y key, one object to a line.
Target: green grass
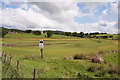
[
  {"x": 0, "y": 69},
  {"x": 24, "y": 47},
  {"x": 111, "y": 58},
  {"x": 114, "y": 35}
]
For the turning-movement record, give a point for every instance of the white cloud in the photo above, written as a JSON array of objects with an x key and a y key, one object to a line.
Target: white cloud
[
  {"x": 104, "y": 12},
  {"x": 24, "y": 6},
  {"x": 97, "y": 27},
  {"x": 53, "y": 16}
]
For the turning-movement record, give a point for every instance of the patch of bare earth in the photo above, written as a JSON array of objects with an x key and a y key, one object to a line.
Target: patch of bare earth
[{"x": 15, "y": 45}]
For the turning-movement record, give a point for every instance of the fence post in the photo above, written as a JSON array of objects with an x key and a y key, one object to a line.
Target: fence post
[
  {"x": 3, "y": 56},
  {"x": 18, "y": 66},
  {"x": 10, "y": 60},
  {"x": 0, "y": 53},
  {"x": 41, "y": 53},
  {"x": 35, "y": 74},
  {"x": 6, "y": 58}
]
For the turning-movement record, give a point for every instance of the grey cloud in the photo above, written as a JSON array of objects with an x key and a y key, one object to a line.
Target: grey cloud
[{"x": 103, "y": 24}]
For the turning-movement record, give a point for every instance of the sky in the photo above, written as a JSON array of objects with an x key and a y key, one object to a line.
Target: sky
[{"x": 64, "y": 16}]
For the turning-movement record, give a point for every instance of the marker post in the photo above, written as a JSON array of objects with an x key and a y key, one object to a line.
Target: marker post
[{"x": 41, "y": 45}]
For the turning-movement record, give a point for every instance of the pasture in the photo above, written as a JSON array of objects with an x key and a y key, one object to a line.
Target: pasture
[{"x": 59, "y": 52}]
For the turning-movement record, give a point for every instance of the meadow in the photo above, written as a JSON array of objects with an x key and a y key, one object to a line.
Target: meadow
[{"x": 59, "y": 52}]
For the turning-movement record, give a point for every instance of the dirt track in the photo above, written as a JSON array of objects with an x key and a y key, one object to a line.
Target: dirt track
[{"x": 14, "y": 45}]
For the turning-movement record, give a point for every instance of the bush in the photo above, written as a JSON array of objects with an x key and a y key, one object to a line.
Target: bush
[
  {"x": 37, "y": 32},
  {"x": 98, "y": 68},
  {"x": 97, "y": 60},
  {"x": 67, "y": 33},
  {"x": 102, "y": 70},
  {"x": 113, "y": 69},
  {"x": 80, "y": 56},
  {"x": 84, "y": 56},
  {"x": 49, "y": 33},
  {"x": 81, "y": 34},
  {"x": 110, "y": 36},
  {"x": 3, "y": 32},
  {"x": 74, "y": 34},
  {"x": 81, "y": 75},
  {"x": 28, "y": 31}
]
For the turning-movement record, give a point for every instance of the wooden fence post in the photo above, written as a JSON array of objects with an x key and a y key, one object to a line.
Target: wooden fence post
[
  {"x": 10, "y": 60},
  {"x": 6, "y": 58},
  {"x": 0, "y": 53},
  {"x": 18, "y": 66},
  {"x": 41, "y": 53},
  {"x": 35, "y": 74},
  {"x": 3, "y": 56}
]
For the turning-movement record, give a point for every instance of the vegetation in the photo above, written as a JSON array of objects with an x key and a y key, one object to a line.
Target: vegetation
[
  {"x": 28, "y": 31},
  {"x": 59, "y": 56},
  {"x": 49, "y": 33},
  {"x": 0, "y": 67},
  {"x": 66, "y": 54},
  {"x": 37, "y": 32},
  {"x": 3, "y": 32}
]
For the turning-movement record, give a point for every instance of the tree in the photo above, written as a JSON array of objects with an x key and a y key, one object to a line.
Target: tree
[
  {"x": 110, "y": 36},
  {"x": 67, "y": 33},
  {"x": 28, "y": 31},
  {"x": 37, "y": 32},
  {"x": 3, "y": 32},
  {"x": 74, "y": 34},
  {"x": 81, "y": 34},
  {"x": 49, "y": 33}
]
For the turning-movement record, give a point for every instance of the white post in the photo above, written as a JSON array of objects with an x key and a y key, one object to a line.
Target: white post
[{"x": 41, "y": 45}]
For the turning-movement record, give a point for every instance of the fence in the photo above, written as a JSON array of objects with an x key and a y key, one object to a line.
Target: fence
[{"x": 5, "y": 60}]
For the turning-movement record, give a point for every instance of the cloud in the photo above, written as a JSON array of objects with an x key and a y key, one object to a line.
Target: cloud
[
  {"x": 102, "y": 23},
  {"x": 54, "y": 16},
  {"x": 104, "y": 12},
  {"x": 98, "y": 27},
  {"x": 24, "y": 6}
]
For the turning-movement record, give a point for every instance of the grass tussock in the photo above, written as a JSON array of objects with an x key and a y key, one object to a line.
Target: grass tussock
[
  {"x": 82, "y": 56},
  {"x": 97, "y": 59},
  {"x": 46, "y": 69},
  {"x": 94, "y": 58},
  {"x": 102, "y": 70}
]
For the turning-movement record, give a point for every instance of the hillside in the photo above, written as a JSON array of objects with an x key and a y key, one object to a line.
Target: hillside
[{"x": 59, "y": 53}]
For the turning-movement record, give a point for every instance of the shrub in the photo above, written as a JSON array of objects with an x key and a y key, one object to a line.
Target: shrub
[
  {"x": 98, "y": 68},
  {"x": 84, "y": 56},
  {"x": 67, "y": 33},
  {"x": 3, "y": 32},
  {"x": 80, "y": 56},
  {"x": 92, "y": 68},
  {"x": 49, "y": 33},
  {"x": 81, "y": 75},
  {"x": 74, "y": 34},
  {"x": 110, "y": 36},
  {"x": 97, "y": 60},
  {"x": 113, "y": 69},
  {"x": 37, "y": 32},
  {"x": 28, "y": 31}
]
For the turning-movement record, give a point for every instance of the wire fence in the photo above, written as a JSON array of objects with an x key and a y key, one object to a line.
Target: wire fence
[{"x": 6, "y": 59}]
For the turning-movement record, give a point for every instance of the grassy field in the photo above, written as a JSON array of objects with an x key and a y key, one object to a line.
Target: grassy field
[
  {"x": 0, "y": 59},
  {"x": 24, "y": 47},
  {"x": 0, "y": 69}
]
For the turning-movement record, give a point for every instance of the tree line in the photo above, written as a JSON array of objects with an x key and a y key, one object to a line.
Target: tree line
[{"x": 49, "y": 33}]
